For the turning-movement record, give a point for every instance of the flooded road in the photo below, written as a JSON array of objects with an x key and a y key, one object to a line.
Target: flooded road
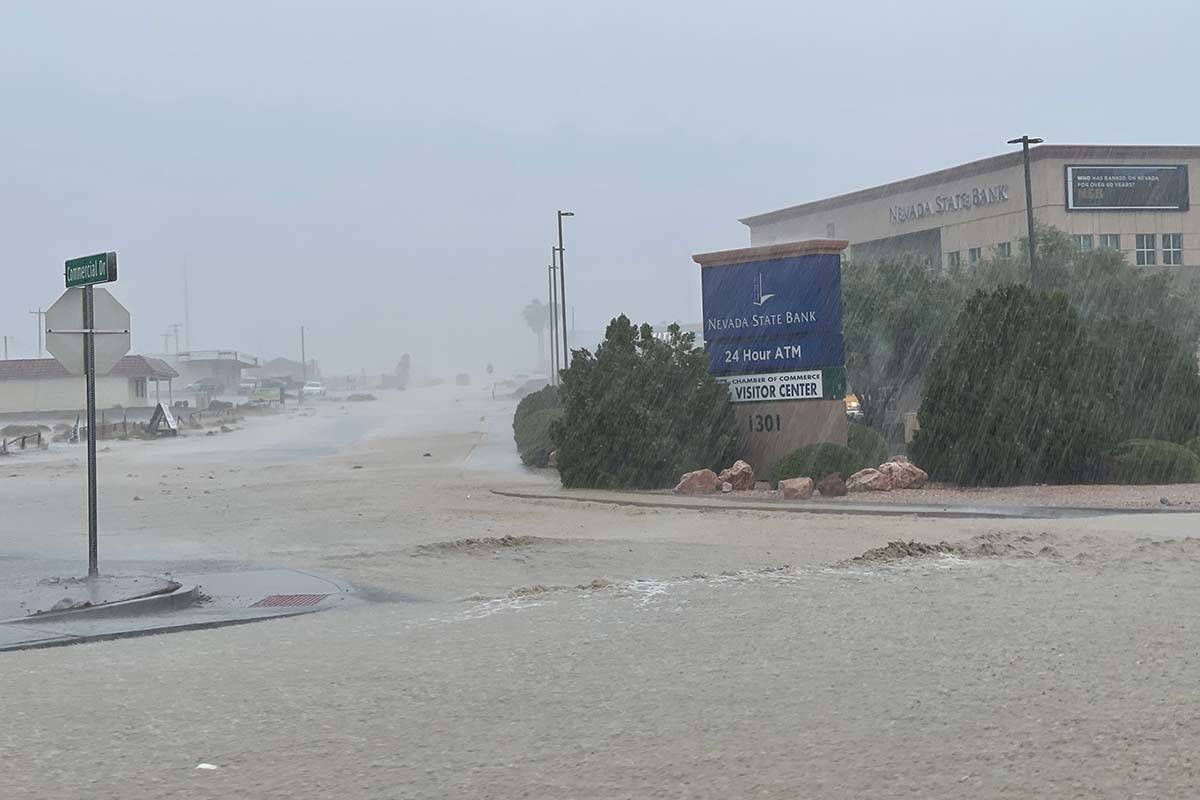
[
  {"x": 936, "y": 677},
  {"x": 550, "y": 650}
]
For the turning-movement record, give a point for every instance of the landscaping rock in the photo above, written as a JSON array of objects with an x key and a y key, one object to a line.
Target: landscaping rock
[
  {"x": 726, "y": 487},
  {"x": 869, "y": 480},
  {"x": 701, "y": 481},
  {"x": 552, "y": 459},
  {"x": 740, "y": 476},
  {"x": 899, "y": 458},
  {"x": 832, "y": 485},
  {"x": 762, "y": 486},
  {"x": 796, "y": 488},
  {"x": 904, "y": 475}
]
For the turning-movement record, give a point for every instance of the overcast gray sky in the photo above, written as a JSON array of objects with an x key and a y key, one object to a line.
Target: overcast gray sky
[{"x": 387, "y": 173}]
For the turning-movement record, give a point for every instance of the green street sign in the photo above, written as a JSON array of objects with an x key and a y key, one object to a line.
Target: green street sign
[{"x": 86, "y": 270}]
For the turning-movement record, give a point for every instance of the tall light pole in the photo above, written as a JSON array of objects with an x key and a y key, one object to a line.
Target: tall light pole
[
  {"x": 303, "y": 369},
  {"x": 562, "y": 279},
  {"x": 1025, "y": 141},
  {"x": 552, "y": 292}
]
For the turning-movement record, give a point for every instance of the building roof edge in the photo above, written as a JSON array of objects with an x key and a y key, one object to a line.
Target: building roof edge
[{"x": 977, "y": 167}]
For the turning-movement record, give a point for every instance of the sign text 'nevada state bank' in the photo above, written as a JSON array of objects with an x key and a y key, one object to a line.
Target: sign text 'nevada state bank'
[{"x": 775, "y": 300}]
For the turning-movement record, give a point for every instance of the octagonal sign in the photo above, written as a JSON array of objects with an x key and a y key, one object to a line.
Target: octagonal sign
[{"x": 64, "y": 323}]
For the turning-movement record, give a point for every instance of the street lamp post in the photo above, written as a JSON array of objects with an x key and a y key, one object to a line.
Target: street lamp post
[
  {"x": 1025, "y": 141},
  {"x": 551, "y": 292},
  {"x": 562, "y": 280}
]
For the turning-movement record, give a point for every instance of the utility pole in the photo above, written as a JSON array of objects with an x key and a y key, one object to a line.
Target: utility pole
[
  {"x": 562, "y": 280},
  {"x": 166, "y": 338},
  {"x": 6, "y": 348},
  {"x": 187, "y": 314},
  {"x": 1025, "y": 141},
  {"x": 303, "y": 369},
  {"x": 555, "y": 336},
  {"x": 40, "y": 329},
  {"x": 553, "y": 325},
  {"x": 175, "y": 326}
]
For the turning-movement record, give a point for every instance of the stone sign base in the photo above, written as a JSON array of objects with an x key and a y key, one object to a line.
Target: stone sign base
[{"x": 770, "y": 431}]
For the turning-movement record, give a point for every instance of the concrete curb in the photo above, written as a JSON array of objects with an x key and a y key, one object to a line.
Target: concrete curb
[
  {"x": 65, "y": 640},
  {"x": 860, "y": 509},
  {"x": 200, "y": 601},
  {"x": 182, "y": 597}
]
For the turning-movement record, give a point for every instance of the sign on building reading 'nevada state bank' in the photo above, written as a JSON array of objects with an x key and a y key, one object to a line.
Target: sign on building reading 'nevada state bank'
[{"x": 774, "y": 316}]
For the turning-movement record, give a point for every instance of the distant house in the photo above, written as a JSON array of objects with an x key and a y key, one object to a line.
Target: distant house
[
  {"x": 41, "y": 384},
  {"x": 287, "y": 368},
  {"x": 220, "y": 368}
]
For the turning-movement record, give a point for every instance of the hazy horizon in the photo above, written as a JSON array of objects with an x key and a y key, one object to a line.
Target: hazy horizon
[{"x": 388, "y": 176}]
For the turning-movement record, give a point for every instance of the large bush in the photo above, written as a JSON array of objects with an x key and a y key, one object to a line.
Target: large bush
[
  {"x": 546, "y": 397},
  {"x": 1018, "y": 394},
  {"x": 898, "y": 312},
  {"x": 896, "y": 316},
  {"x": 1156, "y": 382},
  {"x": 641, "y": 411},
  {"x": 868, "y": 443},
  {"x": 1149, "y": 461},
  {"x": 818, "y": 460},
  {"x": 534, "y": 417}
]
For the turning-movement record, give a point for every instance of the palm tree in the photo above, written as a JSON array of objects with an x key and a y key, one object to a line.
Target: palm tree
[{"x": 537, "y": 317}]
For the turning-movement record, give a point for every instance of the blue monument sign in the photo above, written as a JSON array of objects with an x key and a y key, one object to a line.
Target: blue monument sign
[
  {"x": 773, "y": 332},
  {"x": 774, "y": 314}
]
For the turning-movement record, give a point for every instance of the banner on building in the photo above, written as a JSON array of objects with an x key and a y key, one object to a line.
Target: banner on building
[{"x": 1127, "y": 187}]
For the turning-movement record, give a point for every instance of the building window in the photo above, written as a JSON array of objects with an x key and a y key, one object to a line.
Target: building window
[
  {"x": 830, "y": 230},
  {"x": 139, "y": 387},
  {"x": 1173, "y": 249},
  {"x": 1110, "y": 241},
  {"x": 953, "y": 260},
  {"x": 1004, "y": 249},
  {"x": 1146, "y": 249},
  {"x": 974, "y": 256},
  {"x": 1082, "y": 241}
]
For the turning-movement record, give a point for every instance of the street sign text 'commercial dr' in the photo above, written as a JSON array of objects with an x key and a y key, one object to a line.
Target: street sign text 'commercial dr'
[{"x": 87, "y": 270}]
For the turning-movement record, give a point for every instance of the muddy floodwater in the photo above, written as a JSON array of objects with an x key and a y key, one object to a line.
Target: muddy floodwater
[{"x": 581, "y": 650}]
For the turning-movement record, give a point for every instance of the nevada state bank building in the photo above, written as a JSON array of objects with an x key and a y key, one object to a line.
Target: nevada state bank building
[{"x": 1129, "y": 198}]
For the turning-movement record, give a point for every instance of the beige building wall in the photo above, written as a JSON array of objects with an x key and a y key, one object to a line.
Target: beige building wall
[{"x": 65, "y": 394}]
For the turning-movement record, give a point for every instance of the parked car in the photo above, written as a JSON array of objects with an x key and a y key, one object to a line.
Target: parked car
[{"x": 313, "y": 389}]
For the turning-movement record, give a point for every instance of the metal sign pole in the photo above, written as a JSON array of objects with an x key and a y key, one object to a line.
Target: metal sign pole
[{"x": 89, "y": 368}]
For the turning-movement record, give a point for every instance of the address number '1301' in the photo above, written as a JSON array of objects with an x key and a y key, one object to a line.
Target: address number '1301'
[{"x": 764, "y": 423}]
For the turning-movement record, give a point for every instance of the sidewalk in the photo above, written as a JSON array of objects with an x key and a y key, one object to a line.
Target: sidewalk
[{"x": 894, "y": 506}]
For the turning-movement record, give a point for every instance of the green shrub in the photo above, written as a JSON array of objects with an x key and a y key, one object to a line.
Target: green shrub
[
  {"x": 868, "y": 443},
  {"x": 532, "y": 421},
  {"x": 1145, "y": 461},
  {"x": 1157, "y": 383},
  {"x": 818, "y": 460},
  {"x": 641, "y": 411},
  {"x": 1194, "y": 445},
  {"x": 546, "y": 397},
  {"x": 1017, "y": 394},
  {"x": 534, "y": 442}
]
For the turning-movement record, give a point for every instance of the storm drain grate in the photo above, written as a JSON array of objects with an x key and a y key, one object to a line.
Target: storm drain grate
[{"x": 283, "y": 600}]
